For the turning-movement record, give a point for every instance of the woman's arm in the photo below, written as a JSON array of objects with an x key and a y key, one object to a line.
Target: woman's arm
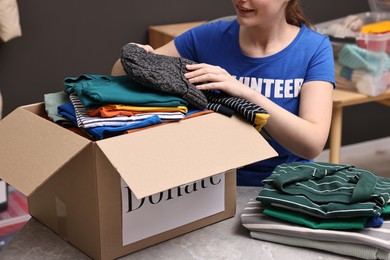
[
  {"x": 168, "y": 49},
  {"x": 305, "y": 134}
]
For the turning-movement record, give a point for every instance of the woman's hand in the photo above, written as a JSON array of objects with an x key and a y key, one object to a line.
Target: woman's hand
[{"x": 206, "y": 76}]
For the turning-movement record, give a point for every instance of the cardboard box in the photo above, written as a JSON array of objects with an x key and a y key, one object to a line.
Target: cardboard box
[{"x": 74, "y": 185}]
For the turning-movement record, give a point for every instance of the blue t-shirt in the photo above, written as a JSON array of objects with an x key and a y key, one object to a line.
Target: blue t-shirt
[{"x": 279, "y": 77}]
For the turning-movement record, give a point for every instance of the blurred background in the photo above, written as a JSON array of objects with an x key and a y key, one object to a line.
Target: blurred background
[{"x": 68, "y": 38}]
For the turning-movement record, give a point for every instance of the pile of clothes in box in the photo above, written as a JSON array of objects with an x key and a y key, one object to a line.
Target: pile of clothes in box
[{"x": 153, "y": 91}]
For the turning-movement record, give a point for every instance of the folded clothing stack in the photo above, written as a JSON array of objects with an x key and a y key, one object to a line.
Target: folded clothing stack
[{"x": 333, "y": 207}]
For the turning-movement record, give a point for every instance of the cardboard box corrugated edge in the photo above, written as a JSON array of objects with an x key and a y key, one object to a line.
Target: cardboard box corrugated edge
[{"x": 34, "y": 111}]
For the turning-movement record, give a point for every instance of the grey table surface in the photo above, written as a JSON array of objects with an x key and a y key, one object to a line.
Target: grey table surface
[{"x": 227, "y": 239}]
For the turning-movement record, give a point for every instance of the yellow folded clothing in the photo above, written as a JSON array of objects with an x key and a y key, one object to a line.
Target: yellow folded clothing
[
  {"x": 376, "y": 28},
  {"x": 260, "y": 120}
]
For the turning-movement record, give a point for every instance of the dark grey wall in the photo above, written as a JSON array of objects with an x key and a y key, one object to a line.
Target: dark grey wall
[{"x": 68, "y": 38}]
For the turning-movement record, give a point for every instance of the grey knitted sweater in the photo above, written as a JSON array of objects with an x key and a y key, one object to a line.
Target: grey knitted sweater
[{"x": 161, "y": 73}]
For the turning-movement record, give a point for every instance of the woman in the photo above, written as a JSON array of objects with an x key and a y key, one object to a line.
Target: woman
[{"x": 270, "y": 57}]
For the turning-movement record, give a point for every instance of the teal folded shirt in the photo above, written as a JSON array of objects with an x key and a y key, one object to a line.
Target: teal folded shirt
[
  {"x": 316, "y": 222},
  {"x": 99, "y": 90}
]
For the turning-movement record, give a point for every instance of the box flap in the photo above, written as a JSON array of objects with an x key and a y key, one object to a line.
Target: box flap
[
  {"x": 167, "y": 156},
  {"x": 33, "y": 148}
]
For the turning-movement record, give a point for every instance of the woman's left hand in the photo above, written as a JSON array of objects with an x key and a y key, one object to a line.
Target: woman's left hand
[{"x": 206, "y": 76}]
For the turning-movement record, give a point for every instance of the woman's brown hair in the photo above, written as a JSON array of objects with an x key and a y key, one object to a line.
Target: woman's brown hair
[{"x": 294, "y": 14}]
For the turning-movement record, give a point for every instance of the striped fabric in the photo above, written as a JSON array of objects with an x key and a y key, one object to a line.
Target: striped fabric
[
  {"x": 369, "y": 243},
  {"x": 220, "y": 109},
  {"x": 349, "y": 249},
  {"x": 326, "y": 190},
  {"x": 253, "y": 219},
  {"x": 86, "y": 121},
  {"x": 253, "y": 113}
]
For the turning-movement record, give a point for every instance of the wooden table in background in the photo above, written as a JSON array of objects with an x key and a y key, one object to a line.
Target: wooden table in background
[
  {"x": 161, "y": 34},
  {"x": 341, "y": 99}
]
